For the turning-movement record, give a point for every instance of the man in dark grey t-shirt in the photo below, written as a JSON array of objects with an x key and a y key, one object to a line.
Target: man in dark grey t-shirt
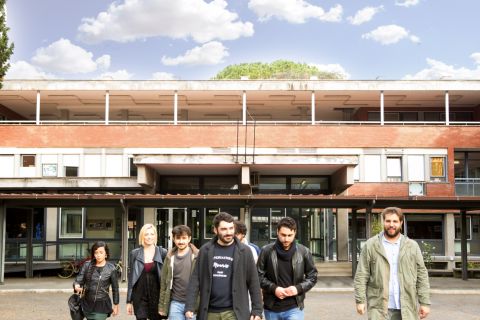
[
  {"x": 176, "y": 271},
  {"x": 224, "y": 278}
]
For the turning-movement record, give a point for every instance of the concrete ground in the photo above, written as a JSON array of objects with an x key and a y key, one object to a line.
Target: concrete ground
[{"x": 332, "y": 299}]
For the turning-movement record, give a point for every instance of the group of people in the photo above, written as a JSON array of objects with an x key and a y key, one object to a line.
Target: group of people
[{"x": 231, "y": 279}]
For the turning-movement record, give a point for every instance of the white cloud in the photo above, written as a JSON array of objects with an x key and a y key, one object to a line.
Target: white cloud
[
  {"x": 180, "y": 19},
  {"x": 476, "y": 57},
  {"x": 440, "y": 70},
  {"x": 163, "y": 76},
  {"x": 208, "y": 54},
  {"x": 63, "y": 56},
  {"x": 24, "y": 70},
  {"x": 293, "y": 11},
  {"x": 336, "y": 68},
  {"x": 407, "y": 3},
  {"x": 364, "y": 15},
  {"x": 390, "y": 34},
  {"x": 115, "y": 75}
]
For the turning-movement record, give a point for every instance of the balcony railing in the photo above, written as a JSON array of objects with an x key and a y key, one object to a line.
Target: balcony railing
[{"x": 467, "y": 187}]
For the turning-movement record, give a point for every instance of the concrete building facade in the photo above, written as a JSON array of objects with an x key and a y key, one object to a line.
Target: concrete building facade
[{"x": 88, "y": 160}]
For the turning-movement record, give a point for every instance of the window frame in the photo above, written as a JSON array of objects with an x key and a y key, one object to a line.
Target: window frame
[
  {"x": 435, "y": 178},
  {"x": 80, "y": 235},
  {"x": 394, "y": 178}
]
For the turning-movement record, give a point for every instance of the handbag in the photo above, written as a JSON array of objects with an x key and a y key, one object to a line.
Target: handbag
[{"x": 76, "y": 312}]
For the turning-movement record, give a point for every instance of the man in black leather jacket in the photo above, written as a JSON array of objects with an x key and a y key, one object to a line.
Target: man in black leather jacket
[{"x": 286, "y": 271}]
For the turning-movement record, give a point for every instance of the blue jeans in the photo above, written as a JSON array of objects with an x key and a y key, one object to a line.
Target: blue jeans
[
  {"x": 177, "y": 311},
  {"x": 292, "y": 314}
]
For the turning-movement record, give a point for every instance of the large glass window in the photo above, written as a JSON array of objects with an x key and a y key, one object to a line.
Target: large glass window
[
  {"x": 309, "y": 183},
  {"x": 208, "y": 219},
  {"x": 276, "y": 214},
  {"x": 273, "y": 183},
  {"x": 426, "y": 229},
  {"x": 473, "y": 234},
  {"x": 71, "y": 223},
  {"x": 180, "y": 184},
  {"x": 220, "y": 184}
]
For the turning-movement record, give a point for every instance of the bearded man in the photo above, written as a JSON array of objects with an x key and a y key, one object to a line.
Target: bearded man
[{"x": 391, "y": 281}]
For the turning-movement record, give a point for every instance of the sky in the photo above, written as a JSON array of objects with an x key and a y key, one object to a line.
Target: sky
[{"x": 195, "y": 39}]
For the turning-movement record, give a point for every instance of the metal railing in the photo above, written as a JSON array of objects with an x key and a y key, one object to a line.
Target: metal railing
[{"x": 467, "y": 187}]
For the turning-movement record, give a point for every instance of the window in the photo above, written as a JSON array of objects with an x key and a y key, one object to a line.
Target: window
[
  {"x": 424, "y": 226},
  {"x": 28, "y": 160},
  {"x": 309, "y": 183},
  {"x": 209, "y": 214},
  {"x": 372, "y": 168},
  {"x": 220, "y": 184},
  {"x": 458, "y": 228},
  {"x": 437, "y": 169},
  {"x": 394, "y": 169},
  {"x": 49, "y": 169},
  {"x": 275, "y": 216},
  {"x": 180, "y": 184},
  {"x": 132, "y": 168},
  {"x": 273, "y": 183},
  {"x": 71, "y": 223},
  {"x": 71, "y": 171},
  {"x": 416, "y": 171}
]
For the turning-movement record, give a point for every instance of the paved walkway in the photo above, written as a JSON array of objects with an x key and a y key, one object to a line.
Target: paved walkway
[{"x": 439, "y": 285}]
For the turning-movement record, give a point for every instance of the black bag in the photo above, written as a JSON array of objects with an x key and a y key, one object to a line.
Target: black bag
[{"x": 76, "y": 312}]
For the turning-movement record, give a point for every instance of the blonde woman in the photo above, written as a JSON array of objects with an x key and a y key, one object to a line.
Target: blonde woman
[{"x": 145, "y": 268}]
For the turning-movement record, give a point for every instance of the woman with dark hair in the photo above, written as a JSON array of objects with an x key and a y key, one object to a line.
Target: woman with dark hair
[
  {"x": 95, "y": 279},
  {"x": 144, "y": 273}
]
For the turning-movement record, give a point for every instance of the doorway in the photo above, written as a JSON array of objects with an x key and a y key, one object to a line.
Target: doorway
[{"x": 167, "y": 218}]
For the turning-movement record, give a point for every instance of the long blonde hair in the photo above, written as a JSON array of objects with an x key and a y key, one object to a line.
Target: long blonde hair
[{"x": 141, "y": 235}]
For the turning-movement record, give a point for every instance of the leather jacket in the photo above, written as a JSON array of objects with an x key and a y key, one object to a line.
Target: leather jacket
[
  {"x": 136, "y": 266},
  {"x": 304, "y": 273},
  {"x": 98, "y": 286}
]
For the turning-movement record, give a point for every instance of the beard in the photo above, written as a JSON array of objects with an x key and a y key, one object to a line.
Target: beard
[
  {"x": 390, "y": 234},
  {"x": 225, "y": 239}
]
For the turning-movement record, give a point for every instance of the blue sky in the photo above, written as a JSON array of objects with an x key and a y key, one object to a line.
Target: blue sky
[{"x": 194, "y": 39}]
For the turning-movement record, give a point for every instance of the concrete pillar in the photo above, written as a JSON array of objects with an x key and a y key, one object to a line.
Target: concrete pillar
[
  {"x": 382, "y": 109},
  {"x": 175, "y": 108},
  {"x": 447, "y": 108},
  {"x": 149, "y": 216},
  {"x": 449, "y": 239},
  {"x": 107, "y": 107},
  {"x": 3, "y": 217},
  {"x": 313, "y": 107},
  {"x": 51, "y": 232},
  {"x": 124, "y": 240},
  {"x": 65, "y": 114},
  {"x": 244, "y": 108},
  {"x": 37, "y": 110},
  {"x": 342, "y": 234}
]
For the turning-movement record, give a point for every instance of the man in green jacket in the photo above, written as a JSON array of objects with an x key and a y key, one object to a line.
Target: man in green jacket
[
  {"x": 176, "y": 271},
  {"x": 391, "y": 277}
]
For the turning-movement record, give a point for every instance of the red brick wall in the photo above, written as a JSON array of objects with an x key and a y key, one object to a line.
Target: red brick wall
[{"x": 335, "y": 136}]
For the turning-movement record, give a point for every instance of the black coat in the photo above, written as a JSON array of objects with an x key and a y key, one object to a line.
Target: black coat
[
  {"x": 245, "y": 282},
  {"x": 98, "y": 288},
  {"x": 136, "y": 266},
  {"x": 304, "y": 273}
]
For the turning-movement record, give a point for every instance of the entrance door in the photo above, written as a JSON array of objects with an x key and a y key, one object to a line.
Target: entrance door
[{"x": 167, "y": 218}]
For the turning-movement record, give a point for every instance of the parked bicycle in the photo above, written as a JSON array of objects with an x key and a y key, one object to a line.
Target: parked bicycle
[{"x": 70, "y": 268}]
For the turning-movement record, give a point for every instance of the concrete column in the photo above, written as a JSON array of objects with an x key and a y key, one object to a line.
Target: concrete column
[
  {"x": 149, "y": 215},
  {"x": 37, "y": 111},
  {"x": 449, "y": 240},
  {"x": 447, "y": 108},
  {"x": 107, "y": 107},
  {"x": 354, "y": 242},
  {"x": 175, "y": 108},
  {"x": 342, "y": 234},
  {"x": 382, "y": 109},
  {"x": 124, "y": 240},
  {"x": 51, "y": 232},
  {"x": 244, "y": 108},
  {"x": 3, "y": 216},
  {"x": 313, "y": 107}
]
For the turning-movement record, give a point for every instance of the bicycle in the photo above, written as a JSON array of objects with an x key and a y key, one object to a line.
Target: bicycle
[{"x": 69, "y": 268}]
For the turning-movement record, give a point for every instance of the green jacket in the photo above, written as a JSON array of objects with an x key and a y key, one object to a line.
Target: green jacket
[
  {"x": 166, "y": 281},
  {"x": 373, "y": 274}
]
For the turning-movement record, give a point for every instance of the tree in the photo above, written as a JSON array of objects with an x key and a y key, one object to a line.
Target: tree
[
  {"x": 6, "y": 48},
  {"x": 280, "y": 69}
]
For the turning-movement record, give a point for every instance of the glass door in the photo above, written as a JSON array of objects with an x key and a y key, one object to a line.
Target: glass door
[{"x": 167, "y": 218}]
